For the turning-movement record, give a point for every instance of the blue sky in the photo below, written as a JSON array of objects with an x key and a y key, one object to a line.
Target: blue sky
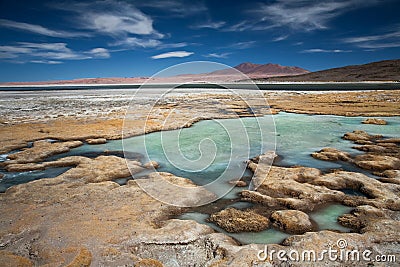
[{"x": 53, "y": 40}]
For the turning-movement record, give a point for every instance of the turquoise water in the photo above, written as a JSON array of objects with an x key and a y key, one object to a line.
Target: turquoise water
[
  {"x": 300, "y": 135},
  {"x": 297, "y": 136},
  {"x": 326, "y": 217},
  {"x": 218, "y": 148},
  {"x": 14, "y": 178}
]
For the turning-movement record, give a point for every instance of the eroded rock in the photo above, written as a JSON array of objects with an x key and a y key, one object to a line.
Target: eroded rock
[
  {"x": 358, "y": 135},
  {"x": 41, "y": 150},
  {"x": 331, "y": 154},
  {"x": 96, "y": 141},
  {"x": 238, "y": 183},
  {"x": 377, "y": 162},
  {"x": 374, "y": 121},
  {"x": 292, "y": 221},
  {"x": 151, "y": 165},
  {"x": 9, "y": 259},
  {"x": 235, "y": 221}
]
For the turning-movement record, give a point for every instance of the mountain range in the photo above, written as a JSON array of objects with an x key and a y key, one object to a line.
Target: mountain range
[
  {"x": 262, "y": 70},
  {"x": 387, "y": 70}
]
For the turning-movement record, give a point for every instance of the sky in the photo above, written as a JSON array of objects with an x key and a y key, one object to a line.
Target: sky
[{"x": 57, "y": 40}]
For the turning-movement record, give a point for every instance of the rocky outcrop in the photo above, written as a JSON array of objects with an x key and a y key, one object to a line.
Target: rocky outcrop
[
  {"x": 381, "y": 148},
  {"x": 235, "y": 221},
  {"x": 381, "y": 154},
  {"x": 331, "y": 154},
  {"x": 391, "y": 174},
  {"x": 9, "y": 259},
  {"x": 381, "y": 195},
  {"x": 292, "y": 221},
  {"x": 360, "y": 135},
  {"x": 291, "y": 188},
  {"x": 133, "y": 228},
  {"x": 96, "y": 141},
  {"x": 304, "y": 189},
  {"x": 238, "y": 183},
  {"x": 174, "y": 190},
  {"x": 127, "y": 225},
  {"x": 151, "y": 165},
  {"x": 102, "y": 168},
  {"x": 41, "y": 150},
  {"x": 377, "y": 162},
  {"x": 389, "y": 140},
  {"x": 374, "y": 121}
]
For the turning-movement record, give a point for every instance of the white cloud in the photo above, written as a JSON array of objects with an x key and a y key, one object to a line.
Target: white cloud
[
  {"x": 14, "y": 49},
  {"x": 387, "y": 40},
  {"x": 304, "y": 15},
  {"x": 209, "y": 25},
  {"x": 239, "y": 27},
  {"x": 216, "y": 55},
  {"x": 241, "y": 45},
  {"x": 110, "y": 17},
  {"x": 37, "y": 29},
  {"x": 48, "y": 53},
  {"x": 133, "y": 42},
  {"x": 51, "y": 62},
  {"x": 173, "y": 45},
  {"x": 99, "y": 52},
  {"x": 173, "y": 54},
  {"x": 60, "y": 47},
  {"x": 280, "y": 38},
  {"x": 318, "y": 50},
  {"x": 51, "y": 51}
]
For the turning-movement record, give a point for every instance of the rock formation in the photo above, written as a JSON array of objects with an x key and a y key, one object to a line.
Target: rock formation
[
  {"x": 235, "y": 221},
  {"x": 292, "y": 221},
  {"x": 374, "y": 121}
]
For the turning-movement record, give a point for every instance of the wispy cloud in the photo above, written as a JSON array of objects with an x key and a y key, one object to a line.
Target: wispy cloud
[
  {"x": 318, "y": 50},
  {"x": 386, "y": 40},
  {"x": 209, "y": 25},
  {"x": 48, "y": 53},
  {"x": 217, "y": 55},
  {"x": 280, "y": 38},
  {"x": 240, "y": 45},
  {"x": 37, "y": 29},
  {"x": 239, "y": 27},
  {"x": 51, "y": 62},
  {"x": 173, "y": 54},
  {"x": 304, "y": 15},
  {"x": 173, "y": 45},
  {"x": 133, "y": 42},
  {"x": 174, "y": 8},
  {"x": 110, "y": 17}
]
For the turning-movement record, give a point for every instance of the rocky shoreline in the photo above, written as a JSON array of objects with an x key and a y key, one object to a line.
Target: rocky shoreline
[{"x": 83, "y": 218}]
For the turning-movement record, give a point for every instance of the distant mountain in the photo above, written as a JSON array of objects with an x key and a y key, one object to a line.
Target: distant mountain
[
  {"x": 261, "y": 70},
  {"x": 269, "y": 69},
  {"x": 247, "y": 67},
  {"x": 387, "y": 70}
]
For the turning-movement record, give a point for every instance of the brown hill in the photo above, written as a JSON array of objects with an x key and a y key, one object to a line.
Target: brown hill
[
  {"x": 261, "y": 70},
  {"x": 387, "y": 70}
]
